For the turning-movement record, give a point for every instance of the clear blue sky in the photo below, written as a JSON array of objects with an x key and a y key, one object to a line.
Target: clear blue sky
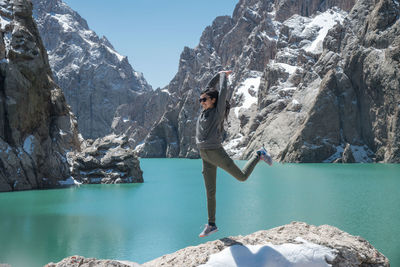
[{"x": 152, "y": 33}]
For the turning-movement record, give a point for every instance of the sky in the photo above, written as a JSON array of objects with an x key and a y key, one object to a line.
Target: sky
[{"x": 152, "y": 33}]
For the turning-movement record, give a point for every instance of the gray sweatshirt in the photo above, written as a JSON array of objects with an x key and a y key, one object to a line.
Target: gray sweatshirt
[{"x": 209, "y": 123}]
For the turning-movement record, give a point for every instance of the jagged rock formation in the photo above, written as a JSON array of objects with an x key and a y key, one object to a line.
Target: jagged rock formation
[
  {"x": 303, "y": 86},
  {"x": 348, "y": 250},
  {"x": 357, "y": 100},
  {"x": 136, "y": 118},
  {"x": 107, "y": 160},
  {"x": 37, "y": 128},
  {"x": 95, "y": 79}
]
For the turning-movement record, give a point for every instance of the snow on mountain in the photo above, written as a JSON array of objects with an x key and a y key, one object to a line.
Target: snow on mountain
[
  {"x": 95, "y": 78},
  {"x": 296, "y": 37},
  {"x": 247, "y": 92},
  {"x": 268, "y": 58}
]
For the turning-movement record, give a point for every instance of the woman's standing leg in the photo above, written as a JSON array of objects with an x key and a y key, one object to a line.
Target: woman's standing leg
[{"x": 210, "y": 179}]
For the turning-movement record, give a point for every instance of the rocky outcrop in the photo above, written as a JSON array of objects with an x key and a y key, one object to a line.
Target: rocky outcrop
[
  {"x": 95, "y": 79},
  {"x": 107, "y": 160},
  {"x": 344, "y": 249},
  {"x": 37, "y": 128},
  {"x": 82, "y": 261},
  {"x": 357, "y": 100},
  {"x": 350, "y": 251}
]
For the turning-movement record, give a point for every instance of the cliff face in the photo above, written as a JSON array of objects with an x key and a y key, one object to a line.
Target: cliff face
[
  {"x": 95, "y": 79},
  {"x": 357, "y": 100},
  {"x": 306, "y": 83},
  {"x": 37, "y": 128}
]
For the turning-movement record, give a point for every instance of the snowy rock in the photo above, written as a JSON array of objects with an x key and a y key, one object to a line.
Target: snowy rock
[
  {"x": 95, "y": 78},
  {"x": 347, "y": 156},
  {"x": 37, "y": 128},
  {"x": 295, "y": 244},
  {"x": 106, "y": 160},
  {"x": 286, "y": 8},
  {"x": 357, "y": 100}
]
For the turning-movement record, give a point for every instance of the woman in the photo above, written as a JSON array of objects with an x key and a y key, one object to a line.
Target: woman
[{"x": 209, "y": 130}]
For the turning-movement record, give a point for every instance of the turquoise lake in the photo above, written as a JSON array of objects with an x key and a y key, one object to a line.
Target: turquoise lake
[{"x": 140, "y": 222}]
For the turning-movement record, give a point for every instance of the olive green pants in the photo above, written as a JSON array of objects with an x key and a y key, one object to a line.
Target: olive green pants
[{"x": 213, "y": 158}]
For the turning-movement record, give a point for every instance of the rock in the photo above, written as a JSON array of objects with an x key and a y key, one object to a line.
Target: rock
[
  {"x": 286, "y": 8},
  {"x": 347, "y": 156},
  {"x": 37, "y": 127},
  {"x": 106, "y": 160},
  {"x": 75, "y": 261},
  {"x": 95, "y": 79},
  {"x": 350, "y": 251},
  {"x": 136, "y": 118}
]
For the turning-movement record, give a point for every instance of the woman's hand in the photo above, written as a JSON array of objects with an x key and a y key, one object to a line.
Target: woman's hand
[{"x": 227, "y": 72}]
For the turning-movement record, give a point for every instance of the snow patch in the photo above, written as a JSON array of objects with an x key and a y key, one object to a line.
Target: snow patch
[
  {"x": 62, "y": 133},
  {"x": 64, "y": 20},
  {"x": 251, "y": 83},
  {"x": 4, "y": 22},
  {"x": 69, "y": 181},
  {"x": 295, "y": 102},
  {"x": 120, "y": 57},
  {"x": 288, "y": 68},
  {"x": 28, "y": 144},
  {"x": 265, "y": 35},
  {"x": 232, "y": 146},
  {"x": 361, "y": 153},
  {"x": 288, "y": 255},
  {"x": 324, "y": 21},
  {"x": 166, "y": 91}
]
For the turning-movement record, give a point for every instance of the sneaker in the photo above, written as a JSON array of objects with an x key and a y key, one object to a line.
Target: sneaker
[
  {"x": 265, "y": 156},
  {"x": 208, "y": 230}
]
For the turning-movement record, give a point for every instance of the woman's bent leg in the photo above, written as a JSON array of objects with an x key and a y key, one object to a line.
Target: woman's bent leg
[
  {"x": 210, "y": 178},
  {"x": 222, "y": 159}
]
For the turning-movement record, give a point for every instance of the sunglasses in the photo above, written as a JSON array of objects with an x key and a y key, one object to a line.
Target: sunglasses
[{"x": 204, "y": 99}]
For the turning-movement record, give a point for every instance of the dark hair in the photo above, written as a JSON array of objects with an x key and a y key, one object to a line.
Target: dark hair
[{"x": 212, "y": 93}]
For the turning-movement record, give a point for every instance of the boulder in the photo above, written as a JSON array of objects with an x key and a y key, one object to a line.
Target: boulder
[{"x": 107, "y": 160}]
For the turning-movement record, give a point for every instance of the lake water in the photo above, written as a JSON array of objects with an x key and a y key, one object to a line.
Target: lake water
[{"x": 139, "y": 222}]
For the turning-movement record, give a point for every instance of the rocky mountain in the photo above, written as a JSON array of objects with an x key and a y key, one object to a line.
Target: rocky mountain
[
  {"x": 310, "y": 79},
  {"x": 95, "y": 79},
  {"x": 37, "y": 128},
  {"x": 295, "y": 244}
]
